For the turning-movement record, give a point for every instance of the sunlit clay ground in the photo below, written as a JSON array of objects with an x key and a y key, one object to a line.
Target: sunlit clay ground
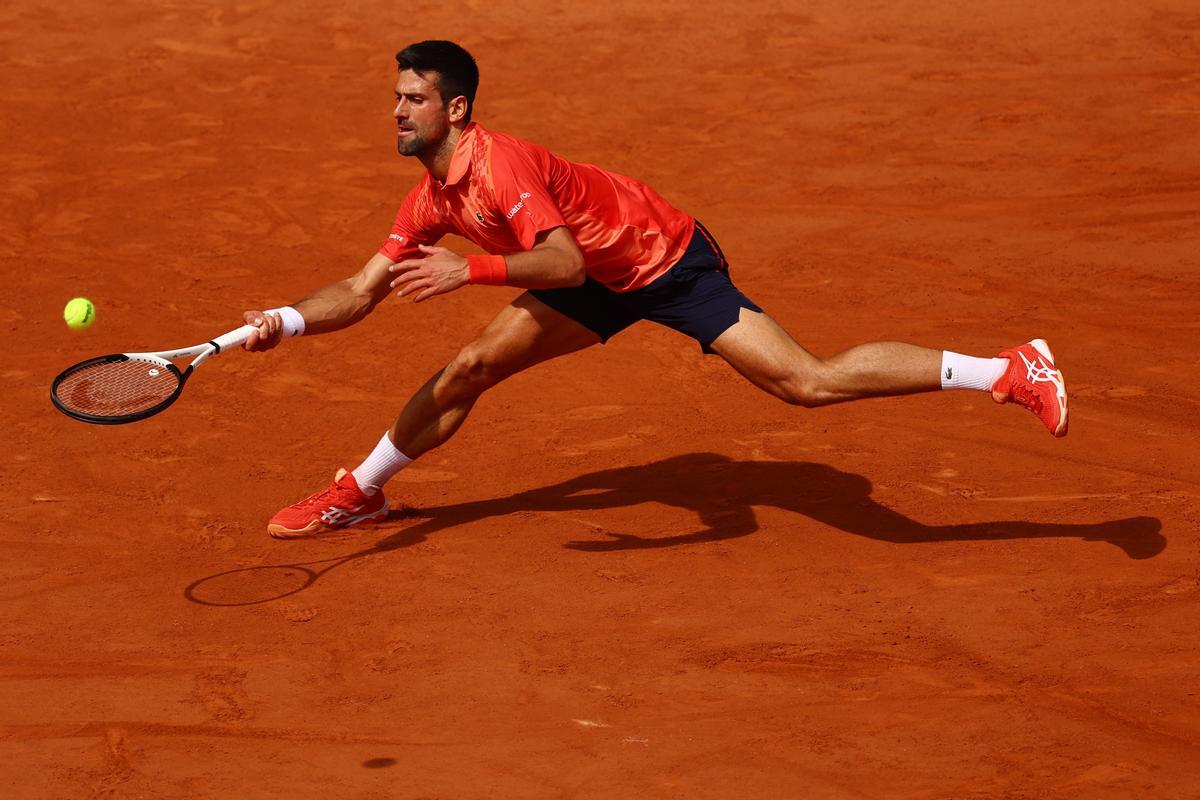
[{"x": 631, "y": 575}]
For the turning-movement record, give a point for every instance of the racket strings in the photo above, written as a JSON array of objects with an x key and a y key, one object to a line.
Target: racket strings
[{"x": 117, "y": 388}]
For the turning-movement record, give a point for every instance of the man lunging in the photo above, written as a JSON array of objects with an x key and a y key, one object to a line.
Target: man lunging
[{"x": 597, "y": 252}]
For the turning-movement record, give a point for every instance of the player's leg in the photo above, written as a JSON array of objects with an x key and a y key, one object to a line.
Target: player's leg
[
  {"x": 762, "y": 351},
  {"x": 539, "y": 325},
  {"x": 697, "y": 297},
  {"x": 525, "y": 333}
]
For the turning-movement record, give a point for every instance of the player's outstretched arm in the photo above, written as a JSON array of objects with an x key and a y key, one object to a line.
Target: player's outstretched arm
[
  {"x": 554, "y": 260},
  {"x": 329, "y": 308}
]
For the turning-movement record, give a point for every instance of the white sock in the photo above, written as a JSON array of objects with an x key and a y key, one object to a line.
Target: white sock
[
  {"x": 384, "y": 462},
  {"x": 968, "y": 372}
]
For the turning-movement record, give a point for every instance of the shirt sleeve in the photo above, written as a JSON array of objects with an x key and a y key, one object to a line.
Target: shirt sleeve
[
  {"x": 522, "y": 191},
  {"x": 416, "y": 223}
]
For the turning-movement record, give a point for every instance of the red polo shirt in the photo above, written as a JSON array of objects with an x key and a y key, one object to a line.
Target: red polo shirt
[{"x": 501, "y": 192}]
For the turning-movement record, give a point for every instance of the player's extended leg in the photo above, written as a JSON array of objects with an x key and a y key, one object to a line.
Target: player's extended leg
[
  {"x": 768, "y": 357},
  {"x": 697, "y": 297},
  {"x": 762, "y": 351},
  {"x": 524, "y": 333}
]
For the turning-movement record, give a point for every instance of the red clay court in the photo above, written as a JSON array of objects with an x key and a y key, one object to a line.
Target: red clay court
[{"x": 631, "y": 575}]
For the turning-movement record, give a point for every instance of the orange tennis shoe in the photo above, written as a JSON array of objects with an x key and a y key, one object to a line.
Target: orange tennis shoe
[
  {"x": 1032, "y": 381},
  {"x": 339, "y": 505}
]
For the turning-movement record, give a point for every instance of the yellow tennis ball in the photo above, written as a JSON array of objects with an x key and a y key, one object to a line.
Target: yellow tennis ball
[{"x": 79, "y": 314}]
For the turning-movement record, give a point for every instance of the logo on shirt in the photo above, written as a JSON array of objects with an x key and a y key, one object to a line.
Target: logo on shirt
[
  {"x": 512, "y": 212},
  {"x": 397, "y": 237}
]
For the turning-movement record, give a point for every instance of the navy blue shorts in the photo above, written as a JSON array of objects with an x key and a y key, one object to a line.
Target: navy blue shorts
[{"x": 695, "y": 297}]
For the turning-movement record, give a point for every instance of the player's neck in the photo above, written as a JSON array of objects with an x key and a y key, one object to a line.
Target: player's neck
[{"x": 438, "y": 161}]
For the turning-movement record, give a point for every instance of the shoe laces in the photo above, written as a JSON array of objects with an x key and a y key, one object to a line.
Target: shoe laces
[{"x": 331, "y": 494}]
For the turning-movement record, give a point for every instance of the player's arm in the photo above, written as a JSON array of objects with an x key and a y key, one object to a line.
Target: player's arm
[
  {"x": 554, "y": 260},
  {"x": 340, "y": 305},
  {"x": 330, "y": 308}
]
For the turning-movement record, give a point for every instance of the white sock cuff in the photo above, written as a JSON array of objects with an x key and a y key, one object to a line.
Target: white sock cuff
[
  {"x": 293, "y": 320},
  {"x": 968, "y": 372},
  {"x": 384, "y": 462}
]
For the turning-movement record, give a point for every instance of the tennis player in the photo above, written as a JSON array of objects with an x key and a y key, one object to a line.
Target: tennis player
[{"x": 597, "y": 252}]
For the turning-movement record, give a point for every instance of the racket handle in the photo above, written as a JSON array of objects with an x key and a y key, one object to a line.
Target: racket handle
[{"x": 233, "y": 338}]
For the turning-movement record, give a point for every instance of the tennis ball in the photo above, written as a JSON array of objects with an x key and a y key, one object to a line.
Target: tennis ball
[{"x": 79, "y": 314}]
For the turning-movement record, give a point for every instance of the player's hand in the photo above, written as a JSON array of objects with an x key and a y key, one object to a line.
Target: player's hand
[
  {"x": 440, "y": 271},
  {"x": 269, "y": 333}
]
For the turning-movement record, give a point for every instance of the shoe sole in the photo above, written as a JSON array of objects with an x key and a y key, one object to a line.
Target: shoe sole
[
  {"x": 1060, "y": 386},
  {"x": 317, "y": 528}
]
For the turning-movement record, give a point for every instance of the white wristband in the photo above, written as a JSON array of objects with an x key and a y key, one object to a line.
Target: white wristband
[{"x": 293, "y": 321}]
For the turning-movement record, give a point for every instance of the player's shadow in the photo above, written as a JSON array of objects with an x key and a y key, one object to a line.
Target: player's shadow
[{"x": 723, "y": 493}]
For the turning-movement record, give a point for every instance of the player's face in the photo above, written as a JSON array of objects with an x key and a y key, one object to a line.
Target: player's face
[{"x": 422, "y": 120}]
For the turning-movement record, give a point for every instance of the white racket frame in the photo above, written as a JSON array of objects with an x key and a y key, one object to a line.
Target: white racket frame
[{"x": 202, "y": 352}]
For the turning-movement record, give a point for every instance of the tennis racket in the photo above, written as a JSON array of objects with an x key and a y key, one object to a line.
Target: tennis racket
[{"x": 127, "y": 387}]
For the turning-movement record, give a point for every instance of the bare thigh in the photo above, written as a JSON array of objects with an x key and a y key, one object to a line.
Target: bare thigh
[
  {"x": 766, "y": 355},
  {"x": 524, "y": 333}
]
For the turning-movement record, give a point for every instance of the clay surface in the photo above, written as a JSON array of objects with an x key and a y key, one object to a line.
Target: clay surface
[{"x": 631, "y": 575}]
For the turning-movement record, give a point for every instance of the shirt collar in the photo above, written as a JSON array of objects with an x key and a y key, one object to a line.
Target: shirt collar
[{"x": 460, "y": 161}]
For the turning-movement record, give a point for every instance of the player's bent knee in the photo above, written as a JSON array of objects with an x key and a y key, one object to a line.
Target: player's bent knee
[{"x": 472, "y": 371}]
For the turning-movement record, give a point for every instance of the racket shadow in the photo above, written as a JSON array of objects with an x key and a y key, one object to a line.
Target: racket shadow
[
  {"x": 720, "y": 491},
  {"x": 266, "y": 583}
]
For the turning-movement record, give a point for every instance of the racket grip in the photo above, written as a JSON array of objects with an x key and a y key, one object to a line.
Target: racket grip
[{"x": 233, "y": 338}]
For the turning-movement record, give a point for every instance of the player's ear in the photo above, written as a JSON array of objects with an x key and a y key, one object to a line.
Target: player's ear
[{"x": 457, "y": 109}]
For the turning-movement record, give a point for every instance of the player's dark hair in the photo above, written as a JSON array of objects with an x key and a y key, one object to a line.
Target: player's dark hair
[{"x": 457, "y": 73}]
